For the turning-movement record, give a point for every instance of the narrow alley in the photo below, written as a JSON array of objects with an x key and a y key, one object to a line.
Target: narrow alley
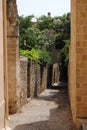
[{"x": 49, "y": 111}]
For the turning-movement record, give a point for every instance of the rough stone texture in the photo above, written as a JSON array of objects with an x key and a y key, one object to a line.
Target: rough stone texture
[
  {"x": 37, "y": 79},
  {"x": 78, "y": 59},
  {"x": 2, "y": 40},
  {"x": 13, "y": 54},
  {"x": 3, "y": 66},
  {"x": 81, "y": 56},
  {"x": 43, "y": 79},
  {"x": 37, "y": 86},
  {"x": 23, "y": 80},
  {"x": 49, "y": 76},
  {"x": 32, "y": 80},
  {"x": 55, "y": 74}
]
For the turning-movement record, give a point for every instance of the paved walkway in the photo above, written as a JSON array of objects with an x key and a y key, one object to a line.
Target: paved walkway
[{"x": 50, "y": 111}]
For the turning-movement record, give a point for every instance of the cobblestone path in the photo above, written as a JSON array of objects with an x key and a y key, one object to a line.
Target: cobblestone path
[{"x": 49, "y": 111}]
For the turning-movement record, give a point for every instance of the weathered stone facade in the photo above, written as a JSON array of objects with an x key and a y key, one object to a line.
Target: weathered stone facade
[
  {"x": 37, "y": 79},
  {"x": 23, "y": 81},
  {"x": 43, "y": 79},
  {"x": 3, "y": 67},
  {"x": 32, "y": 80},
  {"x": 17, "y": 71},
  {"x": 78, "y": 59},
  {"x": 2, "y": 102},
  {"x": 13, "y": 53}
]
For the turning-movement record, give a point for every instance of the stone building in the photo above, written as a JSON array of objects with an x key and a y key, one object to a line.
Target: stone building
[
  {"x": 13, "y": 55},
  {"x": 78, "y": 60},
  {"x": 3, "y": 66}
]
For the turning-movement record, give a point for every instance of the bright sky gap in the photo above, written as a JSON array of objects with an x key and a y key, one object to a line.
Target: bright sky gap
[{"x": 42, "y": 7}]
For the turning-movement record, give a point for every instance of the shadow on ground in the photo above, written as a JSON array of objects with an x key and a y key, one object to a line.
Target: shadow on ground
[{"x": 60, "y": 117}]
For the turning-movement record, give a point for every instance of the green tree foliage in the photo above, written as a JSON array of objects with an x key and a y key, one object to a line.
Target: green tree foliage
[
  {"x": 40, "y": 56},
  {"x": 62, "y": 42},
  {"x": 45, "y": 22},
  {"x": 62, "y": 25},
  {"x": 62, "y": 37},
  {"x": 24, "y": 23},
  {"x": 33, "y": 42},
  {"x": 33, "y": 34},
  {"x": 39, "y": 35},
  {"x": 36, "y": 38},
  {"x": 65, "y": 53}
]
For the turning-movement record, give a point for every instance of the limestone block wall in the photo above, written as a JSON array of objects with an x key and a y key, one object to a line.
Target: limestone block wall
[
  {"x": 33, "y": 80},
  {"x": 13, "y": 54},
  {"x": 28, "y": 80},
  {"x": 37, "y": 89},
  {"x": 72, "y": 62},
  {"x": 49, "y": 76},
  {"x": 43, "y": 79},
  {"x": 37, "y": 79},
  {"x": 78, "y": 59},
  {"x": 23, "y": 81},
  {"x": 2, "y": 102},
  {"x": 81, "y": 58},
  {"x": 72, "y": 81}
]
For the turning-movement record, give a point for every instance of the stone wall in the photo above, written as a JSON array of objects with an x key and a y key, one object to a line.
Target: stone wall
[
  {"x": 43, "y": 78},
  {"x": 2, "y": 102},
  {"x": 32, "y": 80},
  {"x": 37, "y": 79},
  {"x": 72, "y": 63},
  {"x": 49, "y": 76},
  {"x": 78, "y": 59},
  {"x": 13, "y": 54},
  {"x": 81, "y": 59},
  {"x": 23, "y": 81}
]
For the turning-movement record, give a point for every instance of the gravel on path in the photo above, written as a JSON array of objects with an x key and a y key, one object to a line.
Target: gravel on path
[{"x": 49, "y": 111}]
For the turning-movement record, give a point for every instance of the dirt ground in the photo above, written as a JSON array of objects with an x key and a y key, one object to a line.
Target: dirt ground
[{"x": 49, "y": 111}]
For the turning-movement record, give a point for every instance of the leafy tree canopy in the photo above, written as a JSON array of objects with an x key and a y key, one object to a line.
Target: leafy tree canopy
[
  {"x": 35, "y": 37},
  {"x": 62, "y": 37},
  {"x": 42, "y": 57},
  {"x": 45, "y": 22}
]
